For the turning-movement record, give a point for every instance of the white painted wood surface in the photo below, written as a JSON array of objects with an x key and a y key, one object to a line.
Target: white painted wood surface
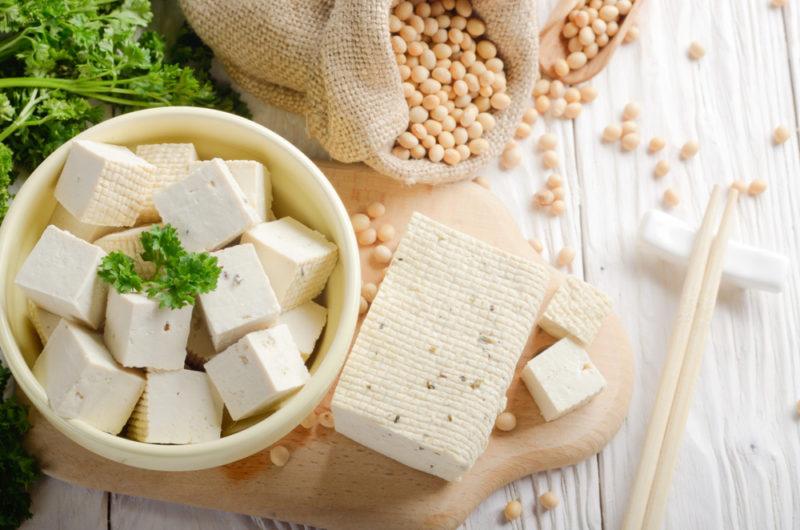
[{"x": 740, "y": 460}]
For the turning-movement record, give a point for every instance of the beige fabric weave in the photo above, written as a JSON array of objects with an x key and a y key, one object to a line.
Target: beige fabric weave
[{"x": 331, "y": 60}]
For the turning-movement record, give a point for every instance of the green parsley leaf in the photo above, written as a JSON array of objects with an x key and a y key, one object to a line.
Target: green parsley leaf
[
  {"x": 179, "y": 275},
  {"x": 18, "y": 469}
]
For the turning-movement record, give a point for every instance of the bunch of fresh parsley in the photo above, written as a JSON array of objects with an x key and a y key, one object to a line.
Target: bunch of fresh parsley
[
  {"x": 67, "y": 64},
  {"x": 18, "y": 469},
  {"x": 179, "y": 275}
]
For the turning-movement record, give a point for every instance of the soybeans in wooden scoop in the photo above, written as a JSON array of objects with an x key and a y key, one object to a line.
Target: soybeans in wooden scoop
[{"x": 580, "y": 37}]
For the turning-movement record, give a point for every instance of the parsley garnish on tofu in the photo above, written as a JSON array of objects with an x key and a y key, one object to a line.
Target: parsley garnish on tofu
[
  {"x": 18, "y": 469},
  {"x": 179, "y": 275}
]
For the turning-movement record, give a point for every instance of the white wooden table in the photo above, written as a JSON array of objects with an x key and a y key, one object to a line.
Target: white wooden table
[{"x": 740, "y": 459}]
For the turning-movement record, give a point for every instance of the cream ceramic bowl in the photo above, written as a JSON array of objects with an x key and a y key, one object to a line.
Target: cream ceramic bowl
[{"x": 300, "y": 190}]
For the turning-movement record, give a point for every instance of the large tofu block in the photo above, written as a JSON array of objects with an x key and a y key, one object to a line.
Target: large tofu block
[
  {"x": 199, "y": 348},
  {"x": 173, "y": 163},
  {"x": 44, "y": 322},
  {"x": 60, "y": 275},
  {"x": 562, "y": 378},
  {"x": 576, "y": 310},
  {"x": 255, "y": 181},
  {"x": 140, "y": 334},
  {"x": 253, "y": 374},
  {"x": 243, "y": 300},
  {"x": 129, "y": 242},
  {"x": 430, "y": 368},
  {"x": 103, "y": 184},
  {"x": 207, "y": 208},
  {"x": 305, "y": 323},
  {"x": 177, "y": 407},
  {"x": 64, "y": 220},
  {"x": 298, "y": 260},
  {"x": 83, "y": 382}
]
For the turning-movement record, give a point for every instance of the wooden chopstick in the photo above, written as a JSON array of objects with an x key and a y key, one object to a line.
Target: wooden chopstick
[
  {"x": 637, "y": 505},
  {"x": 690, "y": 371}
]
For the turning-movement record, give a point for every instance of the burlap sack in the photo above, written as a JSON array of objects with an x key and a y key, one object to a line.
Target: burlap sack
[{"x": 331, "y": 60}]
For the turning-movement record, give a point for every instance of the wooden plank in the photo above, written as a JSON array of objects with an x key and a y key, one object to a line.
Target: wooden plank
[
  {"x": 57, "y": 504},
  {"x": 741, "y": 444},
  {"x": 354, "y": 487}
]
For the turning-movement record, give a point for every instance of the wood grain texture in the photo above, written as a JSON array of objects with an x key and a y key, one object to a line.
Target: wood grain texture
[
  {"x": 738, "y": 466},
  {"x": 335, "y": 483}
]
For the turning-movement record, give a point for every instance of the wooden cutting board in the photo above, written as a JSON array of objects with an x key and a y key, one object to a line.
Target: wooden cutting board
[{"x": 332, "y": 482}]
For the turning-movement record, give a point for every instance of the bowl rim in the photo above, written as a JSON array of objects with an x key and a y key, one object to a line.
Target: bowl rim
[{"x": 280, "y": 421}]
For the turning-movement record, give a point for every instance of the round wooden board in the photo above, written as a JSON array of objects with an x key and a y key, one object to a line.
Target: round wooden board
[{"x": 332, "y": 482}]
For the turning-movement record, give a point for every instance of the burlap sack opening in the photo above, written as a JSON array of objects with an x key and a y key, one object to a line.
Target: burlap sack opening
[{"x": 331, "y": 61}]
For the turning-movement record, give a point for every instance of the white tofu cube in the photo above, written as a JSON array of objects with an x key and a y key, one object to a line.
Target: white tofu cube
[
  {"x": 140, "y": 334},
  {"x": 257, "y": 371},
  {"x": 64, "y": 220},
  {"x": 199, "y": 348},
  {"x": 129, "y": 242},
  {"x": 83, "y": 382},
  {"x": 298, "y": 260},
  {"x": 305, "y": 324},
  {"x": 104, "y": 184},
  {"x": 243, "y": 300},
  {"x": 562, "y": 378},
  {"x": 44, "y": 322},
  {"x": 254, "y": 179},
  {"x": 60, "y": 275},
  {"x": 173, "y": 163},
  {"x": 207, "y": 208},
  {"x": 576, "y": 310},
  {"x": 177, "y": 407}
]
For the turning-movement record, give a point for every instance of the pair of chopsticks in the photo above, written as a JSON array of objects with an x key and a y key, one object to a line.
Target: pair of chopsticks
[{"x": 682, "y": 367}]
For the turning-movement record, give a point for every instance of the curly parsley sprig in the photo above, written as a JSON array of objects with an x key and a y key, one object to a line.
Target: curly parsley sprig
[{"x": 179, "y": 275}]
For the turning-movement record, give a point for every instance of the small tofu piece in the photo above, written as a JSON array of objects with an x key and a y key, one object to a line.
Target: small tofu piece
[
  {"x": 83, "y": 382},
  {"x": 104, "y": 184},
  {"x": 576, "y": 310},
  {"x": 177, "y": 407},
  {"x": 298, "y": 260},
  {"x": 140, "y": 334},
  {"x": 430, "y": 368},
  {"x": 60, "y": 275},
  {"x": 199, "y": 348},
  {"x": 253, "y": 374},
  {"x": 64, "y": 220},
  {"x": 562, "y": 378},
  {"x": 173, "y": 163},
  {"x": 305, "y": 324},
  {"x": 207, "y": 208},
  {"x": 129, "y": 242},
  {"x": 243, "y": 300},
  {"x": 255, "y": 181},
  {"x": 44, "y": 322}
]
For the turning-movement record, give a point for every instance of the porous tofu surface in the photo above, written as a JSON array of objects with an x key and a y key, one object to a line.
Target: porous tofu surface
[
  {"x": 199, "y": 348},
  {"x": 172, "y": 161},
  {"x": 257, "y": 371},
  {"x": 44, "y": 322},
  {"x": 141, "y": 334},
  {"x": 60, "y": 275},
  {"x": 208, "y": 208},
  {"x": 430, "y": 368},
  {"x": 577, "y": 310},
  {"x": 128, "y": 242},
  {"x": 177, "y": 407},
  {"x": 298, "y": 260},
  {"x": 83, "y": 382},
  {"x": 243, "y": 300},
  {"x": 64, "y": 220},
  {"x": 305, "y": 322},
  {"x": 104, "y": 184},
  {"x": 562, "y": 378},
  {"x": 255, "y": 181}
]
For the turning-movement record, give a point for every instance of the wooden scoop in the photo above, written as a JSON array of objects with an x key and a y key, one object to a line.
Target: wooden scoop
[{"x": 552, "y": 46}]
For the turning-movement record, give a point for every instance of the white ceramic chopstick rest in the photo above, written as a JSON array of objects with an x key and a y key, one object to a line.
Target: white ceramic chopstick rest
[{"x": 746, "y": 266}]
